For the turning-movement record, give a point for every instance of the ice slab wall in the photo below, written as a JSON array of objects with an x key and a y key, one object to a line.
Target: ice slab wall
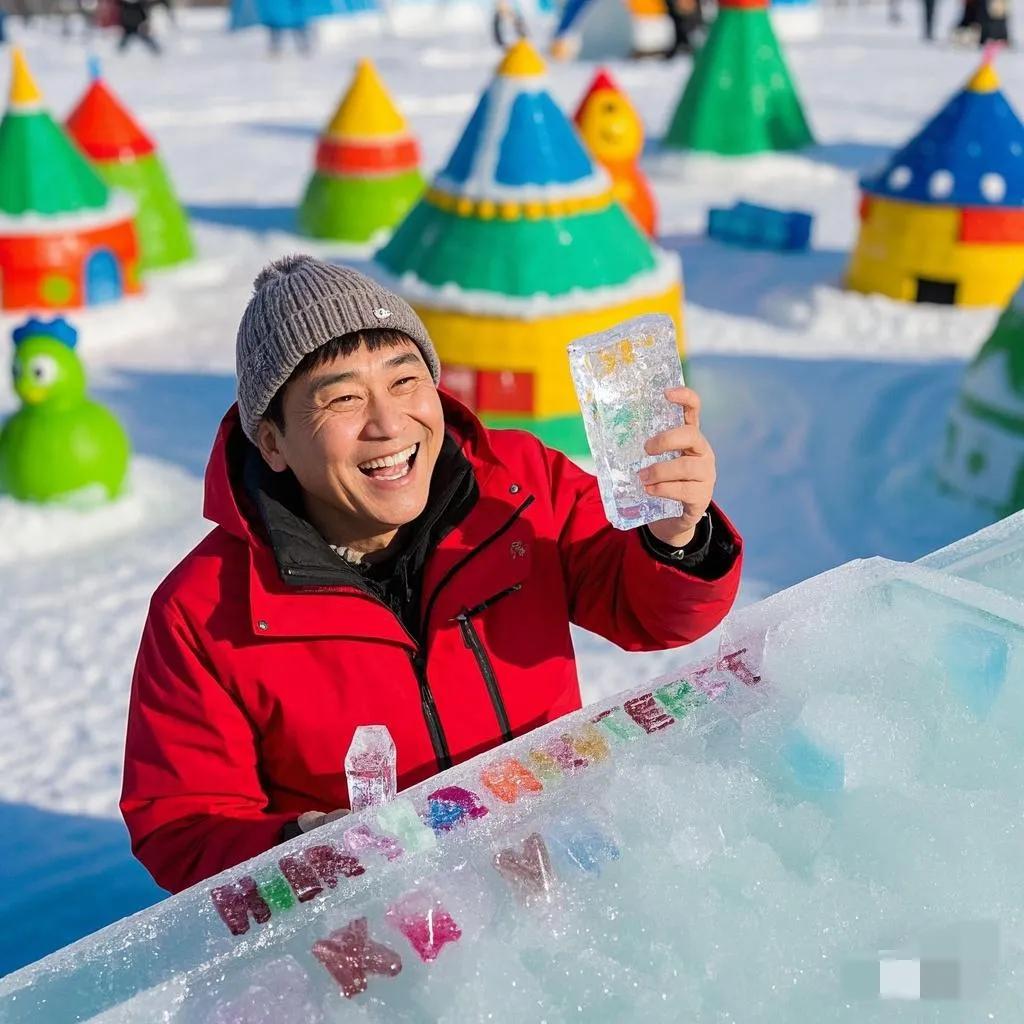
[{"x": 824, "y": 822}]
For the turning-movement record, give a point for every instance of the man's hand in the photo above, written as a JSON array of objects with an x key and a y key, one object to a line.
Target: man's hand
[
  {"x": 689, "y": 478},
  {"x": 310, "y": 820}
]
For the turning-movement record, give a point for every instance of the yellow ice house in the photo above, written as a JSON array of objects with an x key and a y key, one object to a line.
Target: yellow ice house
[{"x": 944, "y": 220}]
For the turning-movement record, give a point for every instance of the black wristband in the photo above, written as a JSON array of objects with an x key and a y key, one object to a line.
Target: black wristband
[{"x": 695, "y": 549}]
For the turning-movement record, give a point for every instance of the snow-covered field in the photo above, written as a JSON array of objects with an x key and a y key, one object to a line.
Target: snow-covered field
[{"x": 825, "y": 408}]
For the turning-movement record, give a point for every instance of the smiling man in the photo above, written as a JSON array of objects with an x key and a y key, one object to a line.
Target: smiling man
[{"x": 380, "y": 557}]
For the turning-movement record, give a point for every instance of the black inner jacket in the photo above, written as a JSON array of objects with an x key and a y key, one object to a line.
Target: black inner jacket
[{"x": 305, "y": 559}]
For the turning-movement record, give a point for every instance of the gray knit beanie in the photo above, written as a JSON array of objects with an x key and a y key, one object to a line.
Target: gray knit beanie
[{"x": 300, "y": 303}]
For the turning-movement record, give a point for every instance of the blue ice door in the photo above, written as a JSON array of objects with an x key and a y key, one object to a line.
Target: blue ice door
[{"x": 102, "y": 278}]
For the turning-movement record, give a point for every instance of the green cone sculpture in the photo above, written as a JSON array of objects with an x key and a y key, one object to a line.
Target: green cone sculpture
[
  {"x": 740, "y": 98},
  {"x": 126, "y": 158},
  {"x": 984, "y": 452},
  {"x": 367, "y": 172}
]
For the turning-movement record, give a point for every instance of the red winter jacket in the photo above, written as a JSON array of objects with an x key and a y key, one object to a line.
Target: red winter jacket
[{"x": 247, "y": 691}]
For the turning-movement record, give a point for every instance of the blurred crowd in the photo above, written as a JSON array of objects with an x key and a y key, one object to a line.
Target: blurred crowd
[{"x": 981, "y": 21}]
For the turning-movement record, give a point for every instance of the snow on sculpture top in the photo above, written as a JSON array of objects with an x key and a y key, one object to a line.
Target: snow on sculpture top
[{"x": 822, "y": 816}]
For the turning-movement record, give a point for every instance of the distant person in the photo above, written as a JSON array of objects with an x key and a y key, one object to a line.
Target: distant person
[
  {"x": 508, "y": 25},
  {"x": 967, "y": 30},
  {"x": 133, "y": 17},
  {"x": 283, "y": 16},
  {"x": 929, "y": 20},
  {"x": 687, "y": 19},
  {"x": 983, "y": 22},
  {"x": 995, "y": 22}
]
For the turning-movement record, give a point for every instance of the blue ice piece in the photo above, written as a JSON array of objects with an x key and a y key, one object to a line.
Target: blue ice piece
[
  {"x": 580, "y": 845},
  {"x": 811, "y": 767},
  {"x": 975, "y": 662},
  {"x": 761, "y": 227}
]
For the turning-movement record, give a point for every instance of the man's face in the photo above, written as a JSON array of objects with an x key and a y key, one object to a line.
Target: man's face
[{"x": 362, "y": 436}]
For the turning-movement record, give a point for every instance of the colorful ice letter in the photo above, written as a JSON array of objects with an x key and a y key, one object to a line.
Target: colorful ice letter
[
  {"x": 646, "y": 713},
  {"x": 448, "y": 806},
  {"x": 303, "y": 879},
  {"x": 544, "y": 766},
  {"x": 423, "y": 920},
  {"x": 236, "y": 901},
  {"x": 735, "y": 663},
  {"x": 564, "y": 754},
  {"x": 589, "y": 743},
  {"x": 529, "y": 871},
  {"x": 583, "y": 845},
  {"x": 508, "y": 779},
  {"x": 276, "y": 891},
  {"x": 349, "y": 955},
  {"x": 330, "y": 863},
  {"x": 360, "y": 838},
  {"x": 401, "y": 820},
  {"x": 679, "y": 698},
  {"x": 619, "y": 727},
  {"x": 708, "y": 681},
  {"x": 307, "y": 872}
]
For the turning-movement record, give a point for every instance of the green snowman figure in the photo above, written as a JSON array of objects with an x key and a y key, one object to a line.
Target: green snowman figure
[{"x": 59, "y": 446}]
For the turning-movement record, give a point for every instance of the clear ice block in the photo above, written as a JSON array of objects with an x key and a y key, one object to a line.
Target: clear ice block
[
  {"x": 370, "y": 767},
  {"x": 620, "y": 376}
]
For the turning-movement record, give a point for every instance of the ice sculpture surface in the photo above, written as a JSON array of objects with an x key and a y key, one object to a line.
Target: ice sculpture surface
[{"x": 823, "y": 822}]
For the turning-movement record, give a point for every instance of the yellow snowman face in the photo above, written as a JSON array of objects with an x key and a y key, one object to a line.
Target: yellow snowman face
[{"x": 610, "y": 126}]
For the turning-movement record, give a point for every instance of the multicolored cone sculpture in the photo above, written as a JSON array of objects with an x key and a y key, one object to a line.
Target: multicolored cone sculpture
[
  {"x": 614, "y": 134},
  {"x": 944, "y": 220},
  {"x": 59, "y": 446},
  {"x": 367, "y": 167},
  {"x": 984, "y": 453},
  {"x": 126, "y": 158},
  {"x": 66, "y": 240},
  {"x": 520, "y": 247},
  {"x": 739, "y": 98}
]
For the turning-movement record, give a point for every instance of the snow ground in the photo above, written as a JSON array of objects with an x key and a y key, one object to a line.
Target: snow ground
[{"x": 825, "y": 408}]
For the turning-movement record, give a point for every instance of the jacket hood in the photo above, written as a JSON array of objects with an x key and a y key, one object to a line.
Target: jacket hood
[{"x": 225, "y": 501}]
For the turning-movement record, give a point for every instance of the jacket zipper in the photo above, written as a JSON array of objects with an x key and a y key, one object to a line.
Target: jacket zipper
[
  {"x": 437, "y": 737},
  {"x": 434, "y": 727},
  {"x": 472, "y": 640}
]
